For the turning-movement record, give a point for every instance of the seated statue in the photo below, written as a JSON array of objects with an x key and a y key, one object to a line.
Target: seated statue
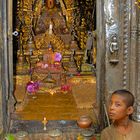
[
  {"x": 49, "y": 56},
  {"x": 49, "y": 65},
  {"x": 51, "y": 59}
]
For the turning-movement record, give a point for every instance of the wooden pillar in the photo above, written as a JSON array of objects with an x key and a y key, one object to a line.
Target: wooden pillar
[
  {"x": 1, "y": 116},
  {"x": 100, "y": 61},
  {"x": 10, "y": 98},
  {"x": 6, "y": 64}
]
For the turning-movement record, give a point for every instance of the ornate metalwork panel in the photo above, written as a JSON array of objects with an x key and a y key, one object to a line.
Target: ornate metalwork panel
[
  {"x": 126, "y": 41},
  {"x": 112, "y": 26},
  {"x": 137, "y": 105}
]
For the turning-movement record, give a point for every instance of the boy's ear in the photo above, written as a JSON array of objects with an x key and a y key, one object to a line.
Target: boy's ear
[{"x": 130, "y": 110}]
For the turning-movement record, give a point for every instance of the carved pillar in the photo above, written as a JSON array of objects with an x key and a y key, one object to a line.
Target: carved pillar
[
  {"x": 133, "y": 49},
  {"x": 120, "y": 23},
  {"x": 113, "y": 46},
  {"x": 138, "y": 59},
  {"x": 10, "y": 97},
  {"x": 6, "y": 68},
  {"x": 109, "y": 50},
  {"x": 126, "y": 41},
  {"x": 100, "y": 59},
  {"x": 137, "y": 79}
]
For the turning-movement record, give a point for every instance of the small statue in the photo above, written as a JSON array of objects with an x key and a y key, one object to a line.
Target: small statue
[
  {"x": 114, "y": 48},
  {"x": 89, "y": 47},
  {"x": 48, "y": 58},
  {"x": 89, "y": 42}
]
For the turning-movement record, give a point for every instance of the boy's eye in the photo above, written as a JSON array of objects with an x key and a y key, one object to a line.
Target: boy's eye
[{"x": 117, "y": 104}]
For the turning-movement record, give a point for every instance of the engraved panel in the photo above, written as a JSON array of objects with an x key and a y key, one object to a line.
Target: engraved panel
[
  {"x": 112, "y": 40},
  {"x": 111, "y": 17}
]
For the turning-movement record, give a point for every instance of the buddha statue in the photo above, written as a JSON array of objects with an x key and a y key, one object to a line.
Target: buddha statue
[{"x": 48, "y": 57}]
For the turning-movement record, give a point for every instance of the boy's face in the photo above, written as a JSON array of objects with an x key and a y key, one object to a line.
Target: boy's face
[{"x": 118, "y": 109}]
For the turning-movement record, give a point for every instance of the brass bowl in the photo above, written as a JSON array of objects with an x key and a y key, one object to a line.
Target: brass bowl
[{"x": 84, "y": 121}]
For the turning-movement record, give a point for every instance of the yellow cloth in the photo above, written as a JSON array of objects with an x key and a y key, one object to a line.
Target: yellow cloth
[{"x": 110, "y": 133}]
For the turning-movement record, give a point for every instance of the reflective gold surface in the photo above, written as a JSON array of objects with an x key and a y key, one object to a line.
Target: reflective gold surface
[{"x": 60, "y": 26}]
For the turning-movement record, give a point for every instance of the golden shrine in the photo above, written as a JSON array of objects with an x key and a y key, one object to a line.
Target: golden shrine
[
  {"x": 51, "y": 74},
  {"x": 56, "y": 60}
]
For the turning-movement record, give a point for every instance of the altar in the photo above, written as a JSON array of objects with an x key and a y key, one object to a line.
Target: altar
[{"x": 57, "y": 53}]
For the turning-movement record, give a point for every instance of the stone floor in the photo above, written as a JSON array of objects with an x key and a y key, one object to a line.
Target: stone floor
[{"x": 55, "y": 130}]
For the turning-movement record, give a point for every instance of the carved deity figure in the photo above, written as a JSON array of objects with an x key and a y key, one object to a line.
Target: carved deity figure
[
  {"x": 49, "y": 56},
  {"x": 114, "y": 48}
]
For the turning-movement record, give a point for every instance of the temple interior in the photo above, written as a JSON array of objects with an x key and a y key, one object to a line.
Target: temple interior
[
  {"x": 54, "y": 59},
  {"x": 61, "y": 62}
]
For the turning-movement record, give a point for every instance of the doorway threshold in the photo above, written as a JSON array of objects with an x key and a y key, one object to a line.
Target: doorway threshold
[{"x": 34, "y": 126}]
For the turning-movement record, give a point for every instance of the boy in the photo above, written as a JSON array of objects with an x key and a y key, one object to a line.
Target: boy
[{"x": 120, "y": 111}]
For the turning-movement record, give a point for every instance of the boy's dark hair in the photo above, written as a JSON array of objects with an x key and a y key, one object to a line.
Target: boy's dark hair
[{"x": 128, "y": 96}]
